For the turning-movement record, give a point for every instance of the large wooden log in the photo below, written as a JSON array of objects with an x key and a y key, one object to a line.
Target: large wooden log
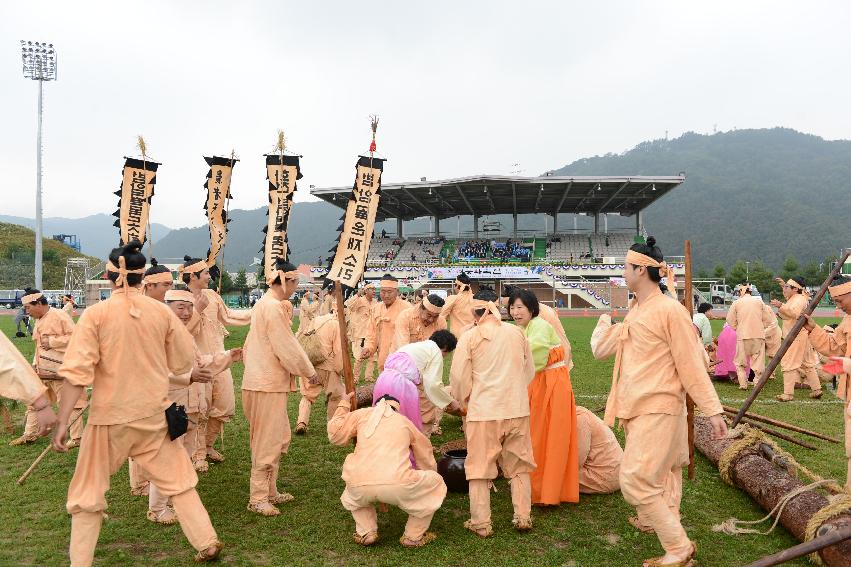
[{"x": 767, "y": 484}]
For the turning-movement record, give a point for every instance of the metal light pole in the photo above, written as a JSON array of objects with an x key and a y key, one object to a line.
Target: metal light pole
[{"x": 39, "y": 64}]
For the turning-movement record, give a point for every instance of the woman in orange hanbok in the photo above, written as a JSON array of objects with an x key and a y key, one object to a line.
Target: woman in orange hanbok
[{"x": 552, "y": 407}]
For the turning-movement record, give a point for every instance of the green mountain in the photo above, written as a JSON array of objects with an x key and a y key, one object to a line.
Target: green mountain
[
  {"x": 17, "y": 254},
  {"x": 749, "y": 194}
]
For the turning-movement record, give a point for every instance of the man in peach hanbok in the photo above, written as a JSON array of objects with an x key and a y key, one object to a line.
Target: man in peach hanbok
[
  {"x": 360, "y": 308},
  {"x": 800, "y": 361},
  {"x": 600, "y": 454},
  {"x": 329, "y": 372},
  {"x": 552, "y": 407},
  {"x": 749, "y": 318},
  {"x": 308, "y": 310},
  {"x": 213, "y": 315},
  {"x": 157, "y": 281},
  {"x": 52, "y": 332},
  {"x": 416, "y": 325},
  {"x": 772, "y": 332},
  {"x": 128, "y": 333},
  {"x": 837, "y": 345},
  {"x": 273, "y": 358},
  {"x": 491, "y": 369},
  {"x": 182, "y": 391},
  {"x": 382, "y": 324},
  {"x": 419, "y": 322},
  {"x": 457, "y": 310},
  {"x": 379, "y": 470},
  {"x": 68, "y": 305},
  {"x": 328, "y": 302},
  {"x": 657, "y": 362}
]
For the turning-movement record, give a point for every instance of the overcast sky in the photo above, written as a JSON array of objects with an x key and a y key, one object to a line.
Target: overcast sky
[{"x": 461, "y": 87}]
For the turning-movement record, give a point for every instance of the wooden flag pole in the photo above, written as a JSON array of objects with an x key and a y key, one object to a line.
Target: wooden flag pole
[
  {"x": 353, "y": 272},
  {"x": 689, "y": 304},
  {"x": 227, "y": 212},
  {"x": 790, "y": 338},
  {"x": 348, "y": 374}
]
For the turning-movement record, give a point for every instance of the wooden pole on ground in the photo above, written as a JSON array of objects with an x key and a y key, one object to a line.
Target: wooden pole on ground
[
  {"x": 44, "y": 453},
  {"x": 774, "y": 433},
  {"x": 348, "y": 374},
  {"x": 790, "y": 338},
  {"x": 802, "y": 549},
  {"x": 782, "y": 424},
  {"x": 689, "y": 304}
]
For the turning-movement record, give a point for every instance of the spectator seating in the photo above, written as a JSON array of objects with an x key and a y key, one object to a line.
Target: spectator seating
[
  {"x": 425, "y": 250},
  {"x": 383, "y": 250},
  {"x": 567, "y": 247}
]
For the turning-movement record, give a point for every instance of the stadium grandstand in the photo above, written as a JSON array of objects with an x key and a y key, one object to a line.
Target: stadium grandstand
[{"x": 567, "y": 268}]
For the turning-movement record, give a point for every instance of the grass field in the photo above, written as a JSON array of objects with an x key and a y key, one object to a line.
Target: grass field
[{"x": 315, "y": 530}]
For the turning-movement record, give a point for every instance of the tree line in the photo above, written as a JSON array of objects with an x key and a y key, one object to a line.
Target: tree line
[{"x": 763, "y": 277}]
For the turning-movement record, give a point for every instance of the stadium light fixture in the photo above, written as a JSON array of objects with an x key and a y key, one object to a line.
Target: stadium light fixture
[
  {"x": 39, "y": 64},
  {"x": 39, "y": 60}
]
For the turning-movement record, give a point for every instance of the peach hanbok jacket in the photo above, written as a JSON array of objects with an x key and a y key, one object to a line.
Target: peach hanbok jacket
[{"x": 272, "y": 355}]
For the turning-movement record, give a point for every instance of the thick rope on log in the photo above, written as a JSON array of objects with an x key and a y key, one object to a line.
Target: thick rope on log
[
  {"x": 749, "y": 441},
  {"x": 732, "y": 526},
  {"x": 839, "y": 504},
  {"x": 763, "y": 474}
]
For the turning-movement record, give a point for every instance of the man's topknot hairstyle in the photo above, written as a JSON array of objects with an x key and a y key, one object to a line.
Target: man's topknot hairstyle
[
  {"x": 133, "y": 260},
  {"x": 650, "y": 249}
]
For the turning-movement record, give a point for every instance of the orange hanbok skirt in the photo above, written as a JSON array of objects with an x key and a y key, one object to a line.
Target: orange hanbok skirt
[{"x": 553, "y": 429}]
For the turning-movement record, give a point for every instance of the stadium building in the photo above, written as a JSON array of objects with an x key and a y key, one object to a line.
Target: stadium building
[{"x": 566, "y": 267}]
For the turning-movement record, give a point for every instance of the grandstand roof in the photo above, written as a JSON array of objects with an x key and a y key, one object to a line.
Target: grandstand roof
[{"x": 508, "y": 194}]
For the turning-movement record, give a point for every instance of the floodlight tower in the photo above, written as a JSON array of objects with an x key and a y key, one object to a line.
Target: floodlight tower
[{"x": 39, "y": 64}]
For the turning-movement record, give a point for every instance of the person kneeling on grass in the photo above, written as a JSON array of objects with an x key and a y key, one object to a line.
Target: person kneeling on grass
[{"x": 379, "y": 469}]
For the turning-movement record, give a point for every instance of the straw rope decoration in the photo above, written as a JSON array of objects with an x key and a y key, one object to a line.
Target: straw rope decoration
[{"x": 280, "y": 147}]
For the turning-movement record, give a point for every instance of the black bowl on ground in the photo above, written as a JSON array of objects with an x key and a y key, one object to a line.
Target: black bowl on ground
[{"x": 451, "y": 468}]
